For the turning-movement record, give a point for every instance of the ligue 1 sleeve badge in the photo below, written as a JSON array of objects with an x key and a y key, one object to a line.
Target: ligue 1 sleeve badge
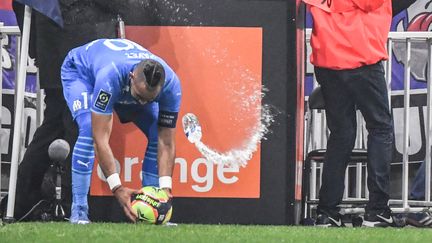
[{"x": 102, "y": 100}]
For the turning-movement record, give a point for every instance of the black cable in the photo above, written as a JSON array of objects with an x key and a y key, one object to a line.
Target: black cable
[{"x": 31, "y": 210}]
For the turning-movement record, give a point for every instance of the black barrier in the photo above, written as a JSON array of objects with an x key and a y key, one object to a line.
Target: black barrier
[{"x": 278, "y": 152}]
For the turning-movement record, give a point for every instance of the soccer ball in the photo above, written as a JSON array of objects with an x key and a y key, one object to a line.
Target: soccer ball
[{"x": 152, "y": 205}]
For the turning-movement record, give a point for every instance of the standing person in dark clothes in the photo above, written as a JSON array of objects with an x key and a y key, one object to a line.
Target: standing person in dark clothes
[{"x": 348, "y": 44}]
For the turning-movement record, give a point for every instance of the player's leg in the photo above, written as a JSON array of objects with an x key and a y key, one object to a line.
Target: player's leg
[
  {"x": 341, "y": 121},
  {"x": 147, "y": 122},
  {"x": 77, "y": 95},
  {"x": 417, "y": 191},
  {"x": 368, "y": 86},
  {"x": 82, "y": 165}
]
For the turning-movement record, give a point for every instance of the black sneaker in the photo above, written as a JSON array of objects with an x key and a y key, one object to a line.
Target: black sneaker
[
  {"x": 420, "y": 219},
  {"x": 382, "y": 218},
  {"x": 324, "y": 220}
]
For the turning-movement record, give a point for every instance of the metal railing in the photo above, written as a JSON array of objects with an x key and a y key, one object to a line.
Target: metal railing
[
  {"x": 5, "y": 32},
  {"x": 408, "y": 38},
  {"x": 319, "y": 141}
]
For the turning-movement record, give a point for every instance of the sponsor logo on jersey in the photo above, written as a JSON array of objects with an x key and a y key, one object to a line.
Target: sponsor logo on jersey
[{"x": 102, "y": 100}]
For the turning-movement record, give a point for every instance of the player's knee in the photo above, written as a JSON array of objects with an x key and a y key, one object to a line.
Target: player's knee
[{"x": 84, "y": 124}]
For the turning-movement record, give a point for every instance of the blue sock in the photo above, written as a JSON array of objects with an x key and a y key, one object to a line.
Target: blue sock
[
  {"x": 150, "y": 175},
  {"x": 146, "y": 121},
  {"x": 82, "y": 160},
  {"x": 80, "y": 188}
]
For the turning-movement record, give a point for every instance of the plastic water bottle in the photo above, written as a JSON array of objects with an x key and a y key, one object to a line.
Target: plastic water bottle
[{"x": 192, "y": 128}]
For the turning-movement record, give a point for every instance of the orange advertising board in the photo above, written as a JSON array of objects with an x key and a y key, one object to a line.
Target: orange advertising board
[{"x": 219, "y": 69}]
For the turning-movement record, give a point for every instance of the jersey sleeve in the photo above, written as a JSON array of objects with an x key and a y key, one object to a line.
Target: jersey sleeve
[{"x": 106, "y": 90}]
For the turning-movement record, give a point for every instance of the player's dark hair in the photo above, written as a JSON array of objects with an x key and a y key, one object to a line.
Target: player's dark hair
[{"x": 153, "y": 72}]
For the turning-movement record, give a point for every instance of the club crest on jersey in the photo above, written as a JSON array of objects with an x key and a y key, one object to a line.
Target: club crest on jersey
[{"x": 102, "y": 100}]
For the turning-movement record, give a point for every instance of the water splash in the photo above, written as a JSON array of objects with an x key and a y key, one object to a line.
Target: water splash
[
  {"x": 237, "y": 156},
  {"x": 246, "y": 93}
]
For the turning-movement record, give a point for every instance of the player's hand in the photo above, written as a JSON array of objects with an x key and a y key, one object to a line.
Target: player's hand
[{"x": 123, "y": 195}]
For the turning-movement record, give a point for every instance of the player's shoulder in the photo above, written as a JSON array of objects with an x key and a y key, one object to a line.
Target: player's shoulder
[{"x": 93, "y": 44}]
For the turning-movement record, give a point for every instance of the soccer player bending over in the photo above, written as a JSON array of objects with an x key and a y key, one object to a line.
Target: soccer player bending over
[{"x": 118, "y": 74}]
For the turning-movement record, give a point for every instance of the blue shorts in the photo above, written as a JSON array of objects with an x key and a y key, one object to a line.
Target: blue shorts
[
  {"x": 77, "y": 92},
  {"x": 145, "y": 117}
]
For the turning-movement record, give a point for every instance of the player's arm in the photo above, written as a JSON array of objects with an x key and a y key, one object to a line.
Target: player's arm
[
  {"x": 166, "y": 156},
  {"x": 169, "y": 105},
  {"x": 105, "y": 93},
  {"x": 101, "y": 128}
]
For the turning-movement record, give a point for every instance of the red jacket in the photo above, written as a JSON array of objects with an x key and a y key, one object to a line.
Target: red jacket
[{"x": 349, "y": 33}]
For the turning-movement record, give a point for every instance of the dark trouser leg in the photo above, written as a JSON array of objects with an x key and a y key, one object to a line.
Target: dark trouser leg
[
  {"x": 418, "y": 184},
  {"x": 341, "y": 120},
  {"x": 369, "y": 88}
]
